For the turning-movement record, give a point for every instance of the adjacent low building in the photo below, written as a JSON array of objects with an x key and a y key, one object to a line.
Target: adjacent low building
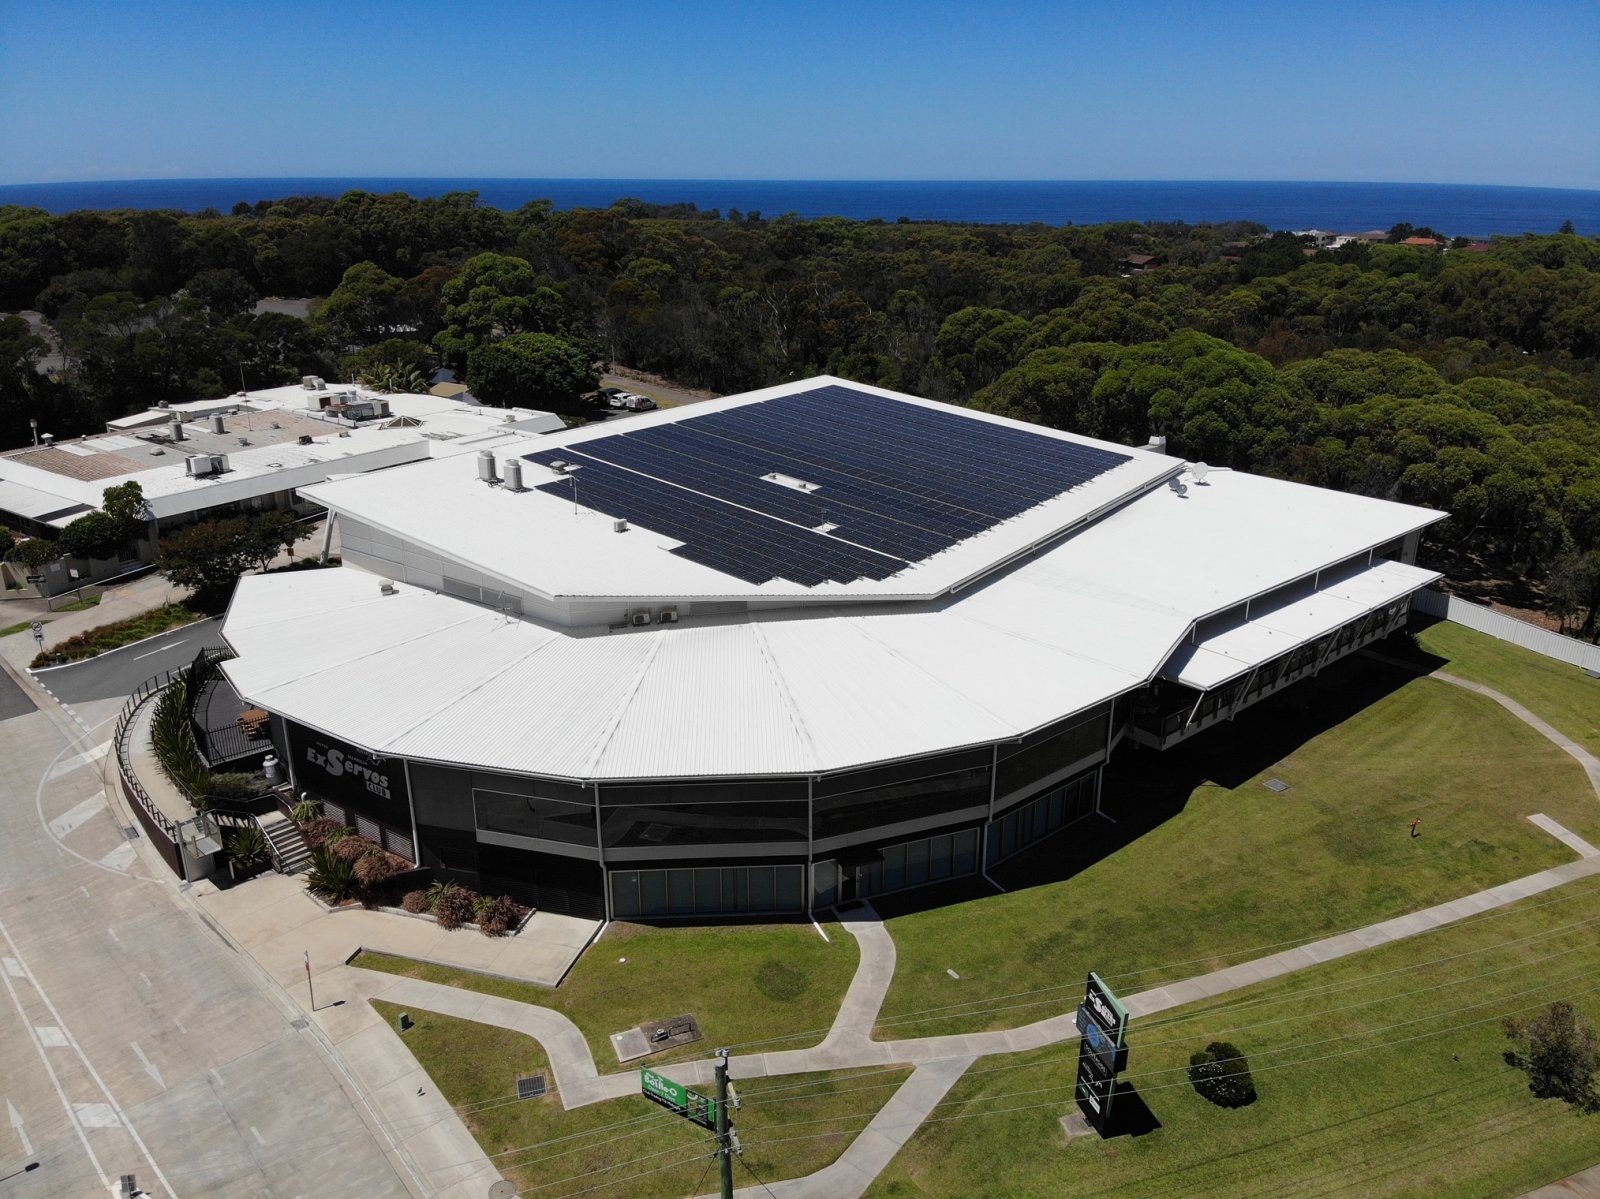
[
  {"x": 243, "y": 453},
  {"x": 773, "y": 652}
]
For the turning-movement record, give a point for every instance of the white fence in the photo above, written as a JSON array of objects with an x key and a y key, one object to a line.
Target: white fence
[{"x": 1507, "y": 628}]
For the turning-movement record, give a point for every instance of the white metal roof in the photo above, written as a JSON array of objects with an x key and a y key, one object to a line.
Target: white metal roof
[
  {"x": 797, "y": 690},
  {"x": 1225, "y": 655},
  {"x": 544, "y": 543}
]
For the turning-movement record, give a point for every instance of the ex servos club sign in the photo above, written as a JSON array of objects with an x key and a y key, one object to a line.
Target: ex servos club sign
[
  {"x": 349, "y": 776},
  {"x": 1102, "y": 1050}
]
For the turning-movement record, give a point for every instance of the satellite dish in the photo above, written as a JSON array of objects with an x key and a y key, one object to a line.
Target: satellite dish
[
  {"x": 1199, "y": 470},
  {"x": 1177, "y": 486},
  {"x": 503, "y": 1190}
]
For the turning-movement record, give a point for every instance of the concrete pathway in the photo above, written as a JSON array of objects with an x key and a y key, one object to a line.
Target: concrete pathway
[
  {"x": 1584, "y": 1185},
  {"x": 1587, "y": 760},
  {"x": 1564, "y": 835}
]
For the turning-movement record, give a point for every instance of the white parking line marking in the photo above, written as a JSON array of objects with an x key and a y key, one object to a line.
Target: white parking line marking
[
  {"x": 150, "y": 1067},
  {"x": 87, "y": 758},
  {"x": 14, "y": 968},
  {"x": 50, "y": 1036},
  {"x": 119, "y": 858},
  {"x": 112, "y": 933},
  {"x": 22, "y": 1134},
  {"x": 162, "y": 650},
  {"x": 75, "y": 816},
  {"x": 97, "y": 1115},
  {"x": 257, "y": 1135}
]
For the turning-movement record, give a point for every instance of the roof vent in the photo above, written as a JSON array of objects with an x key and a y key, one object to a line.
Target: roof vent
[
  {"x": 1157, "y": 443},
  {"x": 48, "y": 438},
  {"x": 305, "y": 439},
  {"x": 219, "y": 423},
  {"x": 386, "y": 587},
  {"x": 156, "y": 451},
  {"x": 177, "y": 428},
  {"x": 619, "y": 525},
  {"x": 560, "y": 467}
]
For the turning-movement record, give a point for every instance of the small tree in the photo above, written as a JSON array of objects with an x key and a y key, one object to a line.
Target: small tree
[
  {"x": 1558, "y": 1050},
  {"x": 102, "y": 534},
  {"x": 1221, "y": 1074},
  {"x": 538, "y": 369},
  {"x": 33, "y": 553}
]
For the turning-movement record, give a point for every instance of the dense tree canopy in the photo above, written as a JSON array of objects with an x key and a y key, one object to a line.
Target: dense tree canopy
[{"x": 1466, "y": 378}]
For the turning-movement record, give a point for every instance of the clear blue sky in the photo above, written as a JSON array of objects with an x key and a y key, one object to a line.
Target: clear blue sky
[{"x": 1501, "y": 92}]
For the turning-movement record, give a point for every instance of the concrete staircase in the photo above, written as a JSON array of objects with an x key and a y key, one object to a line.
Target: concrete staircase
[{"x": 289, "y": 851}]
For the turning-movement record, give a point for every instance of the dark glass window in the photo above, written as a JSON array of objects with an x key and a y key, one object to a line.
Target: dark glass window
[
  {"x": 900, "y": 801},
  {"x": 702, "y": 824},
  {"x": 1022, "y": 766},
  {"x": 531, "y": 816}
]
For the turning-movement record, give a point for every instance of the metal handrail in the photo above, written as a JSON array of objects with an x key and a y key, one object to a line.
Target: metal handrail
[{"x": 140, "y": 695}]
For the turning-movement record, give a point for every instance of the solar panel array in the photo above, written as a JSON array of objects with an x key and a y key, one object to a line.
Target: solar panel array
[{"x": 896, "y": 482}]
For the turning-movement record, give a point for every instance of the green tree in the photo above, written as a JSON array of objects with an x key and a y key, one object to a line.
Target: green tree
[
  {"x": 208, "y": 558},
  {"x": 495, "y": 295},
  {"x": 533, "y": 369},
  {"x": 103, "y": 534},
  {"x": 368, "y": 305},
  {"x": 1558, "y": 1050}
]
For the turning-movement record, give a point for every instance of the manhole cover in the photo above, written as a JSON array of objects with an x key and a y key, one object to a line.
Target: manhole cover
[
  {"x": 1277, "y": 785},
  {"x": 299, "y": 1022},
  {"x": 502, "y": 1190},
  {"x": 130, "y": 832},
  {"x": 532, "y": 1087}
]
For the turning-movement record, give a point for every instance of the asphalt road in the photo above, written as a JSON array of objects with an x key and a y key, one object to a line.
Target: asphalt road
[
  {"x": 119, "y": 672},
  {"x": 13, "y": 702},
  {"x": 133, "y": 1039}
]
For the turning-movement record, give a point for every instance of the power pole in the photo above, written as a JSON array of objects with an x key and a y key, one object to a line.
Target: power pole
[{"x": 724, "y": 1133}]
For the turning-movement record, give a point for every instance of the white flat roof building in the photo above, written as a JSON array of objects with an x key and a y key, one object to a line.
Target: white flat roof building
[
  {"x": 800, "y": 583},
  {"x": 263, "y": 443}
]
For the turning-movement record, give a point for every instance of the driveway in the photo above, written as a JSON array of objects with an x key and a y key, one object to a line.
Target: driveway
[
  {"x": 133, "y": 1038},
  {"x": 119, "y": 672}
]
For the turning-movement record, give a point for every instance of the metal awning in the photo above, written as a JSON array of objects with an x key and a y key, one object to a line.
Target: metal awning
[{"x": 1223, "y": 656}]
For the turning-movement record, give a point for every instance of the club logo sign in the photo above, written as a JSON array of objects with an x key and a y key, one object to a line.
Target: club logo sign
[
  {"x": 364, "y": 783},
  {"x": 1102, "y": 1050},
  {"x": 338, "y": 763}
]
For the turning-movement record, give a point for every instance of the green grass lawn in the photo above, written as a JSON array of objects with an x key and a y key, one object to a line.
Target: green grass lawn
[
  {"x": 1552, "y": 690},
  {"x": 605, "y": 1150},
  {"x": 20, "y": 627},
  {"x": 744, "y": 983},
  {"x": 80, "y": 605},
  {"x": 1194, "y": 877},
  {"x": 1378, "y": 1075}
]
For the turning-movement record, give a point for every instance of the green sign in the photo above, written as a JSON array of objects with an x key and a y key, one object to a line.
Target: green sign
[{"x": 691, "y": 1105}]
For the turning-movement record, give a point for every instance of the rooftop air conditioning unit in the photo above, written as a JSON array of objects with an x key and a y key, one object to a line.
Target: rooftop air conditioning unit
[
  {"x": 619, "y": 525},
  {"x": 311, "y": 382},
  {"x": 639, "y": 616},
  {"x": 668, "y": 616},
  {"x": 200, "y": 464}
]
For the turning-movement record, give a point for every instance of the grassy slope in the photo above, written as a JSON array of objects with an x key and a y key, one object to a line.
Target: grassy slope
[
  {"x": 1239, "y": 867},
  {"x": 1428, "y": 1109},
  {"x": 475, "y": 1067},
  {"x": 743, "y": 983},
  {"x": 1552, "y": 690}
]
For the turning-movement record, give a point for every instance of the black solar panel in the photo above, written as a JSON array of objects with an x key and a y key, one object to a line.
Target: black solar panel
[{"x": 873, "y": 485}]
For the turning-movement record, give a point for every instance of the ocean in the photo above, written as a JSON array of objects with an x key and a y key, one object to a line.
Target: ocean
[{"x": 1454, "y": 209}]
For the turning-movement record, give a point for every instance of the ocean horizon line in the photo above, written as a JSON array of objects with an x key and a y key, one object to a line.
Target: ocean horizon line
[{"x": 1456, "y": 209}]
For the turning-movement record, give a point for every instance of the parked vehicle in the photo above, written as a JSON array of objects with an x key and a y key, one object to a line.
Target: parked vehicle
[{"x": 639, "y": 403}]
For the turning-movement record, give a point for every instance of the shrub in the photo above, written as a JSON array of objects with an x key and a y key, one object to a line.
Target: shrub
[
  {"x": 498, "y": 916},
  {"x": 233, "y": 785},
  {"x": 352, "y": 847},
  {"x": 247, "y": 847},
  {"x": 455, "y": 907},
  {"x": 306, "y": 811},
  {"x": 374, "y": 869},
  {"x": 781, "y": 981},
  {"x": 1557, "y": 1049},
  {"x": 317, "y": 832},
  {"x": 330, "y": 876},
  {"x": 415, "y": 901},
  {"x": 1221, "y": 1074}
]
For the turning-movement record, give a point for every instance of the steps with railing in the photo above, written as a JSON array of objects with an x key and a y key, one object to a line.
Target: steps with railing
[{"x": 290, "y": 855}]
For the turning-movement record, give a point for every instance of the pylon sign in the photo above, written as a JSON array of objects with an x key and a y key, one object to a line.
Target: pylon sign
[
  {"x": 691, "y": 1105},
  {"x": 1102, "y": 1050}
]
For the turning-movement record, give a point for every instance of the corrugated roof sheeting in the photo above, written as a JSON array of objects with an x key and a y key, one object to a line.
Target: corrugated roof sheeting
[{"x": 710, "y": 696}]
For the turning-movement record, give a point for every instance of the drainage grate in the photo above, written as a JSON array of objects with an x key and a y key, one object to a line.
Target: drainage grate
[
  {"x": 130, "y": 832},
  {"x": 1277, "y": 785},
  {"x": 532, "y": 1087}
]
